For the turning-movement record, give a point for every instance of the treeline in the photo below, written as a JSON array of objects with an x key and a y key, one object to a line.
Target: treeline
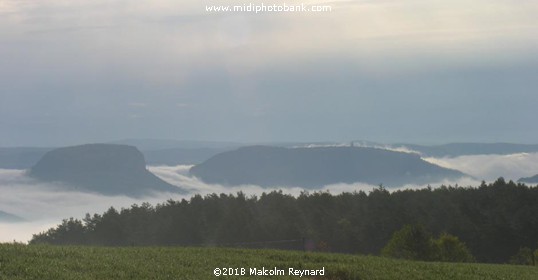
[{"x": 493, "y": 220}]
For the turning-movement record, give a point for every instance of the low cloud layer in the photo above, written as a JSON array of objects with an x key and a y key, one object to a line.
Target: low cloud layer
[
  {"x": 179, "y": 175},
  {"x": 491, "y": 167},
  {"x": 42, "y": 205}
]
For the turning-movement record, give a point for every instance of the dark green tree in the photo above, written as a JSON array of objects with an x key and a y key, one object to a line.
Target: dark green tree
[
  {"x": 523, "y": 257},
  {"x": 412, "y": 242},
  {"x": 448, "y": 248}
]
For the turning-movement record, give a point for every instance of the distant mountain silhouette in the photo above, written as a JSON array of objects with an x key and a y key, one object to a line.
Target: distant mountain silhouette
[
  {"x": 529, "y": 180},
  {"x": 460, "y": 149},
  {"x": 315, "y": 167},
  {"x": 8, "y": 217},
  {"x": 103, "y": 168}
]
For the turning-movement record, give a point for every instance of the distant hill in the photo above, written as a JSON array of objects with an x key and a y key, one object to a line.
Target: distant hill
[
  {"x": 8, "y": 217},
  {"x": 103, "y": 168},
  {"x": 529, "y": 180},
  {"x": 20, "y": 157},
  {"x": 315, "y": 167},
  {"x": 460, "y": 149}
]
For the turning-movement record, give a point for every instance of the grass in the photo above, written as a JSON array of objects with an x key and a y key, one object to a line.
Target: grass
[{"x": 77, "y": 262}]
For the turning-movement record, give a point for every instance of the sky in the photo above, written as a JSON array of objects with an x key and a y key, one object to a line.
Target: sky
[{"x": 419, "y": 71}]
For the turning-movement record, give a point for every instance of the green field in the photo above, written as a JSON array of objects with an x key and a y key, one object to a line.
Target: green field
[{"x": 76, "y": 262}]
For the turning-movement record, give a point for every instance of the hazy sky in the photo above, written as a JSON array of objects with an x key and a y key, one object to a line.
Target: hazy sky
[{"x": 425, "y": 71}]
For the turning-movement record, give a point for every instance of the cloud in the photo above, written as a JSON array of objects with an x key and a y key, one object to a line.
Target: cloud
[
  {"x": 481, "y": 167},
  {"x": 161, "y": 32},
  {"x": 45, "y": 204},
  {"x": 491, "y": 167},
  {"x": 401, "y": 149},
  {"x": 179, "y": 175},
  {"x": 266, "y": 77}
]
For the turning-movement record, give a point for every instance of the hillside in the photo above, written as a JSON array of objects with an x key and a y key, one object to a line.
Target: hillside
[
  {"x": 86, "y": 262},
  {"x": 315, "y": 167},
  {"x": 529, "y": 180},
  {"x": 103, "y": 168}
]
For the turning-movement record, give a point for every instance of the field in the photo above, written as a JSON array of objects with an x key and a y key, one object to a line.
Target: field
[{"x": 76, "y": 262}]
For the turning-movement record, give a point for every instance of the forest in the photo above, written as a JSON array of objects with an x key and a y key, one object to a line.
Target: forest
[{"x": 496, "y": 221}]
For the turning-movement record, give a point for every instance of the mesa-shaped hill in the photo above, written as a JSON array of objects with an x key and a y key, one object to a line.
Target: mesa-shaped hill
[
  {"x": 529, "y": 180},
  {"x": 108, "y": 169},
  {"x": 315, "y": 167}
]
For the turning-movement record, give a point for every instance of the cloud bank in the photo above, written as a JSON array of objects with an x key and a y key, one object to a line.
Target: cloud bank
[
  {"x": 42, "y": 205},
  {"x": 491, "y": 167}
]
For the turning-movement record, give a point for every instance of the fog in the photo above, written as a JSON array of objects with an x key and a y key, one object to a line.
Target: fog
[
  {"x": 44, "y": 205},
  {"x": 491, "y": 167}
]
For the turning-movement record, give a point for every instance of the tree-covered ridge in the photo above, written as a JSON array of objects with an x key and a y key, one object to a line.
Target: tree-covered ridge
[{"x": 494, "y": 220}]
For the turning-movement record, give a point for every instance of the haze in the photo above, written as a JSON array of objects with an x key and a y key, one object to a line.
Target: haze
[{"x": 391, "y": 71}]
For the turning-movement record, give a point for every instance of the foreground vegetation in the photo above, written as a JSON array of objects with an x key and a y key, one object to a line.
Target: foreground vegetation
[
  {"x": 85, "y": 262},
  {"x": 494, "y": 221}
]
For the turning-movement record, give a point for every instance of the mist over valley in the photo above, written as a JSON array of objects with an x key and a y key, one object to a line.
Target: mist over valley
[{"x": 30, "y": 205}]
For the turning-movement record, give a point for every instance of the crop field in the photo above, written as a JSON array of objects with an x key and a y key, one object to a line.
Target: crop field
[{"x": 78, "y": 262}]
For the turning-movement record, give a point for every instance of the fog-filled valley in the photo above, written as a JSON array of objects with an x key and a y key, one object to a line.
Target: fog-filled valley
[{"x": 30, "y": 206}]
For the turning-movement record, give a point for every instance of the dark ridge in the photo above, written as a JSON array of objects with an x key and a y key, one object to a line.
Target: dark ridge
[
  {"x": 102, "y": 168},
  {"x": 529, "y": 180}
]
